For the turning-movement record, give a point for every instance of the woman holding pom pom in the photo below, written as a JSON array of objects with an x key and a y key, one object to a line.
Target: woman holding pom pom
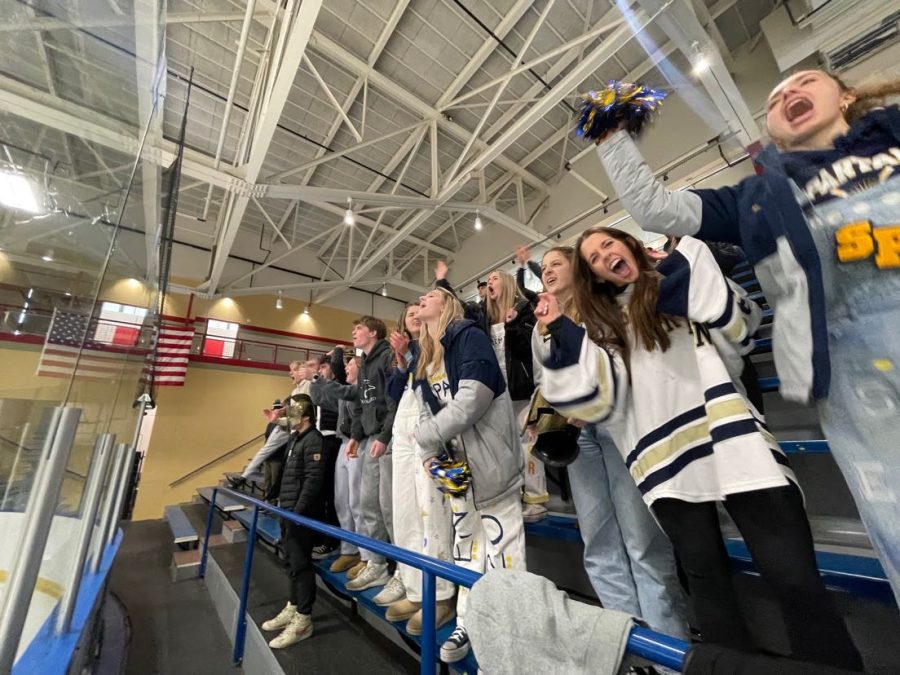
[
  {"x": 821, "y": 226},
  {"x": 649, "y": 364},
  {"x": 465, "y": 407}
]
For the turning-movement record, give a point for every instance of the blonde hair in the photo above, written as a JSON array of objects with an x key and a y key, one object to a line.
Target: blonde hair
[
  {"x": 431, "y": 351},
  {"x": 295, "y": 364},
  {"x": 506, "y": 300}
]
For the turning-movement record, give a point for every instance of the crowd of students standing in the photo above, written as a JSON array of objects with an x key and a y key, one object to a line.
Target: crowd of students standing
[{"x": 642, "y": 353}]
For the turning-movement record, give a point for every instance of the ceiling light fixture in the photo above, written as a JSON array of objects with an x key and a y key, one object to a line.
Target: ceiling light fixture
[
  {"x": 384, "y": 290},
  {"x": 48, "y": 256},
  {"x": 18, "y": 192},
  {"x": 701, "y": 60},
  {"x": 306, "y": 311},
  {"x": 279, "y": 303},
  {"x": 478, "y": 223},
  {"x": 349, "y": 218}
]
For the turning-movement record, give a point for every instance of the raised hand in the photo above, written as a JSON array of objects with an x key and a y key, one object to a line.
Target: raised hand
[
  {"x": 400, "y": 345},
  {"x": 547, "y": 310},
  {"x": 522, "y": 256},
  {"x": 441, "y": 270}
]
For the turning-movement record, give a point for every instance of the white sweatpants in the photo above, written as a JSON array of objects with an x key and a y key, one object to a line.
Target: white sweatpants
[
  {"x": 347, "y": 490},
  {"x": 535, "y": 477},
  {"x": 421, "y": 512},
  {"x": 486, "y": 539}
]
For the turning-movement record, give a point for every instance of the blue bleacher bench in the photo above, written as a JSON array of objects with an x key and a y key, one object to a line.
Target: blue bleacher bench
[
  {"x": 223, "y": 501},
  {"x": 267, "y": 526},
  {"x": 859, "y": 575},
  {"x": 182, "y": 530}
]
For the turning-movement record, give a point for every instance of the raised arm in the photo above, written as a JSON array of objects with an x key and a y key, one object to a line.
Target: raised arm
[{"x": 706, "y": 214}]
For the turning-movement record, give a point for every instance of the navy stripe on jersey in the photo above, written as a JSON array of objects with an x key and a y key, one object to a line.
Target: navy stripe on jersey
[
  {"x": 665, "y": 430},
  {"x": 660, "y": 476},
  {"x": 723, "y": 389},
  {"x": 729, "y": 430},
  {"x": 725, "y": 319}
]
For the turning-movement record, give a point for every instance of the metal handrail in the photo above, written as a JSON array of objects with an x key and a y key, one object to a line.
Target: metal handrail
[
  {"x": 643, "y": 642},
  {"x": 215, "y": 460}
]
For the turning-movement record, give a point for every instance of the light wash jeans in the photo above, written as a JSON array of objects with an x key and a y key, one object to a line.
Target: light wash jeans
[
  {"x": 628, "y": 559},
  {"x": 861, "y": 420}
]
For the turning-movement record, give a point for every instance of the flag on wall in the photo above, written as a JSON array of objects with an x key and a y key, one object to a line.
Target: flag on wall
[
  {"x": 170, "y": 359},
  {"x": 63, "y": 350}
]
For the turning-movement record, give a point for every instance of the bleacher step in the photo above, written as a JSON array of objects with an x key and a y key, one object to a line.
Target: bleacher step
[
  {"x": 233, "y": 532},
  {"x": 185, "y": 564},
  {"x": 183, "y": 533}
]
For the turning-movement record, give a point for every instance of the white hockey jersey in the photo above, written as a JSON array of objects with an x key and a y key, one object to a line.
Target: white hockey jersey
[{"x": 685, "y": 427}]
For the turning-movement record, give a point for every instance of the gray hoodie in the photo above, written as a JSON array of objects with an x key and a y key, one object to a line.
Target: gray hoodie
[{"x": 520, "y": 623}]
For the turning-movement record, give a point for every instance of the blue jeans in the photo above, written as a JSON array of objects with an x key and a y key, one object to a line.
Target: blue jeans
[
  {"x": 627, "y": 557},
  {"x": 861, "y": 420}
]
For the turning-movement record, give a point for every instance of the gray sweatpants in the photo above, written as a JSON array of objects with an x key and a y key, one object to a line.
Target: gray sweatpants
[{"x": 376, "y": 496}]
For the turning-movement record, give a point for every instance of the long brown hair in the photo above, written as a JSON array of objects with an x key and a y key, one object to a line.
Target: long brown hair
[
  {"x": 868, "y": 96},
  {"x": 595, "y": 301},
  {"x": 401, "y": 322},
  {"x": 567, "y": 307},
  {"x": 506, "y": 300},
  {"x": 431, "y": 351}
]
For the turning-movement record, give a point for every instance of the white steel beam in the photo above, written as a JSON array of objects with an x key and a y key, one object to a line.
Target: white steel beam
[
  {"x": 487, "y": 48},
  {"x": 282, "y": 79},
  {"x": 327, "y": 47},
  {"x": 330, "y": 96},
  {"x": 361, "y": 83},
  {"x": 49, "y": 23},
  {"x": 151, "y": 85},
  {"x": 561, "y": 89},
  {"x": 683, "y": 27}
]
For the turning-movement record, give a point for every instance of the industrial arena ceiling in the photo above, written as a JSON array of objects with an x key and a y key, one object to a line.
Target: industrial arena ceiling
[{"x": 425, "y": 114}]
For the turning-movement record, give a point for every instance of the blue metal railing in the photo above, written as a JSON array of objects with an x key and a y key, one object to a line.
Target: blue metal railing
[{"x": 662, "y": 649}]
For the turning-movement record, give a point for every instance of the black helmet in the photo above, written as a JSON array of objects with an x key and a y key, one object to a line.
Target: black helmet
[
  {"x": 558, "y": 447},
  {"x": 557, "y": 440}
]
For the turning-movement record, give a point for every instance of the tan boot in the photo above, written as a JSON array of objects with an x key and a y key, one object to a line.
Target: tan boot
[
  {"x": 444, "y": 612},
  {"x": 354, "y": 571},
  {"x": 344, "y": 563},
  {"x": 402, "y": 610}
]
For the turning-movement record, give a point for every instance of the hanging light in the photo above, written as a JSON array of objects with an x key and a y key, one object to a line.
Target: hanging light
[
  {"x": 349, "y": 218},
  {"x": 478, "y": 223},
  {"x": 48, "y": 256},
  {"x": 306, "y": 311},
  {"x": 701, "y": 61},
  {"x": 384, "y": 290},
  {"x": 279, "y": 303}
]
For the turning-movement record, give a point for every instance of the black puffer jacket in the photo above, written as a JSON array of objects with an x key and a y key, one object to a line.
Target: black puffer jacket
[
  {"x": 517, "y": 349},
  {"x": 303, "y": 475}
]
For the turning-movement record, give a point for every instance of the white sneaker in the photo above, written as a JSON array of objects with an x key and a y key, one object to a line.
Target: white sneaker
[
  {"x": 456, "y": 647},
  {"x": 393, "y": 592},
  {"x": 532, "y": 513},
  {"x": 299, "y": 628},
  {"x": 283, "y": 619},
  {"x": 373, "y": 575}
]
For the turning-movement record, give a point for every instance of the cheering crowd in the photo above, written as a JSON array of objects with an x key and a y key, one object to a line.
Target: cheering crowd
[{"x": 630, "y": 367}]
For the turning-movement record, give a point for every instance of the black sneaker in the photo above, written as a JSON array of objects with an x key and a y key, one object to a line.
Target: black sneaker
[
  {"x": 236, "y": 482},
  {"x": 322, "y": 551},
  {"x": 456, "y": 647}
]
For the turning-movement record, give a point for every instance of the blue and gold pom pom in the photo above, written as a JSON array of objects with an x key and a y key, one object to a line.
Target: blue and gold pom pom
[
  {"x": 452, "y": 476},
  {"x": 618, "y": 103}
]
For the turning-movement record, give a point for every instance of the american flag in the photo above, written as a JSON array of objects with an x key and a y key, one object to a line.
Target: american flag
[
  {"x": 62, "y": 346},
  {"x": 171, "y": 359}
]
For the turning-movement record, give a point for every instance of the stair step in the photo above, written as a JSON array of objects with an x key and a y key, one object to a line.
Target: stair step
[{"x": 185, "y": 564}]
